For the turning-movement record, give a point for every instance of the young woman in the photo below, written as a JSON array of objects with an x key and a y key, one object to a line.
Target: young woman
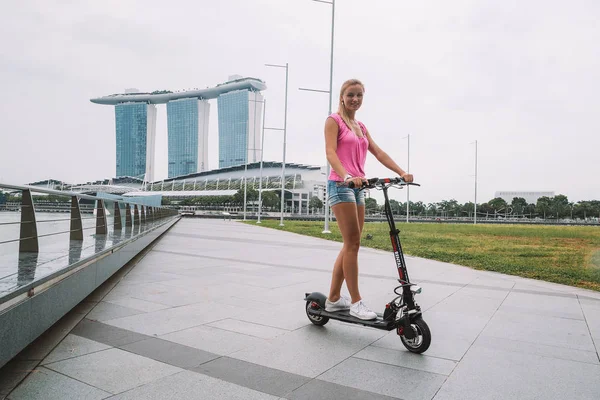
[{"x": 346, "y": 144}]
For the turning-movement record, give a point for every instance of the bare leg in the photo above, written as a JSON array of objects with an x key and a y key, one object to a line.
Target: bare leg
[
  {"x": 346, "y": 215},
  {"x": 337, "y": 278}
]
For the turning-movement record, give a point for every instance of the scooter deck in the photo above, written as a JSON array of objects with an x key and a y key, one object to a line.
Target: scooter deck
[{"x": 345, "y": 316}]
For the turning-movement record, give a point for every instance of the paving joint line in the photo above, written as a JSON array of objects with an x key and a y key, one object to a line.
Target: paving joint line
[{"x": 589, "y": 330}]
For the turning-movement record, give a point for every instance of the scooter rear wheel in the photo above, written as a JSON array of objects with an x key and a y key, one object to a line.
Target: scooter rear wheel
[
  {"x": 421, "y": 342},
  {"x": 315, "y": 319}
]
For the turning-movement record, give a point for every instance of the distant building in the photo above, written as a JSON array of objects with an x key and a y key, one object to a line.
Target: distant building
[
  {"x": 239, "y": 101},
  {"x": 530, "y": 197},
  {"x": 136, "y": 133},
  {"x": 240, "y": 115},
  {"x": 302, "y": 182},
  {"x": 187, "y": 121}
]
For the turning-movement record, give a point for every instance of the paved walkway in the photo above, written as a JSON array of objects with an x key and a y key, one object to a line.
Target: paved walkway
[{"x": 215, "y": 311}]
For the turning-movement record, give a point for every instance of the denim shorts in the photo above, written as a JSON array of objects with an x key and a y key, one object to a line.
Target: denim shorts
[{"x": 343, "y": 194}]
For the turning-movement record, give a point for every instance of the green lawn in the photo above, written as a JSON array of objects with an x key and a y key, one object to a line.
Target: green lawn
[{"x": 563, "y": 254}]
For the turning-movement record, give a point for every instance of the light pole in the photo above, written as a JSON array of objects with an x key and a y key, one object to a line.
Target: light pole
[
  {"x": 262, "y": 152},
  {"x": 475, "y": 213},
  {"x": 408, "y": 186},
  {"x": 332, "y": 3},
  {"x": 284, "y": 137}
]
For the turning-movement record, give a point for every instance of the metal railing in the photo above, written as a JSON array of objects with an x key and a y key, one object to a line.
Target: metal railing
[{"x": 21, "y": 254}]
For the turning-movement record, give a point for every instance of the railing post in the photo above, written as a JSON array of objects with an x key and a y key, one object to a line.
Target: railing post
[
  {"x": 76, "y": 225},
  {"x": 28, "y": 242},
  {"x": 136, "y": 215},
  {"x": 127, "y": 215},
  {"x": 143, "y": 215},
  {"x": 100, "y": 218},
  {"x": 118, "y": 224},
  {"x": 151, "y": 213}
]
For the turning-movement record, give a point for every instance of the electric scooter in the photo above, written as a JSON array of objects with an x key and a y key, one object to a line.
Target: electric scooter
[{"x": 402, "y": 313}]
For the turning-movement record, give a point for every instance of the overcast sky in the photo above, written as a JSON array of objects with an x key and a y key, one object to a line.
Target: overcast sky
[{"x": 519, "y": 76}]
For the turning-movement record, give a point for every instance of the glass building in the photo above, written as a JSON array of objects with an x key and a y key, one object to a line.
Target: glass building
[
  {"x": 187, "y": 121},
  {"x": 136, "y": 131},
  {"x": 240, "y": 114}
]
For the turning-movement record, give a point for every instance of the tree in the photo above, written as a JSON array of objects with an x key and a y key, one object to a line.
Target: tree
[
  {"x": 543, "y": 205},
  {"x": 519, "y": 204},
  {"x": 417, "y": 208},
  {"x": 165, "y": 201},
  {"x": 2, "y": 197},
  {"x": 395, "y": 206},
  {"x": 560, "y": 205},
  {"x": 370, "y": 205},
  {"x": 467, "y": 209},
  {"x": 497, "y": 203},
  {"x": 270, "y": 199},
  {"x": 315, "y": 202}
]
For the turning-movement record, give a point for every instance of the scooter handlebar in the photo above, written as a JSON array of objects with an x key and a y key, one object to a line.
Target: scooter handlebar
[{"x": 375, "y": 182}]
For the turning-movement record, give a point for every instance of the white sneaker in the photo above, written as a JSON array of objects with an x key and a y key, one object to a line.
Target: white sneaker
[
  {"x": 361, "y": 311},
  {"x": 342, "y": 304}
]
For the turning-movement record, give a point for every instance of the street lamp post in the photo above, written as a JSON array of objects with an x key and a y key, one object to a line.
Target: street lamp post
[
  {"x": 253, "y": 149},
  {"x": 262, "y": 152},
  {"x": 330, "y": 91},
  {"x": 408, "y": 187},
  {"x": 475, "y": 213},
  {"x": 284, "y": 137}
]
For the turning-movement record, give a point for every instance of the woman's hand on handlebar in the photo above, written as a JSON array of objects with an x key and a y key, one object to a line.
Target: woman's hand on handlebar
[
  {"x": 356, "y": 180},
  {"x": 408, "y": 178}
]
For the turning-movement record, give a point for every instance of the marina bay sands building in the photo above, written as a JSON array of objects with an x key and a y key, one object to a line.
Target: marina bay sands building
[{"x": 240, "y": 112}]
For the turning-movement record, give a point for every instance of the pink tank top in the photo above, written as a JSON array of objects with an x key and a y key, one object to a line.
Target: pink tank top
[{"x": 351, "y": 149}]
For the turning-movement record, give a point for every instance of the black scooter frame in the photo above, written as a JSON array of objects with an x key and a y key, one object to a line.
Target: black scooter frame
[{"x": 388, "y": 320}]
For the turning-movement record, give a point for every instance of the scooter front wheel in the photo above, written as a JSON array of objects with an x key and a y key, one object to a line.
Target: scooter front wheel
[
  {"x": 420, "y": 343},
  {"x": 315, "y": 319}
]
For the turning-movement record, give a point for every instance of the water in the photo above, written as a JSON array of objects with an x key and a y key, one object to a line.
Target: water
[{"x": 56, "y": 252}]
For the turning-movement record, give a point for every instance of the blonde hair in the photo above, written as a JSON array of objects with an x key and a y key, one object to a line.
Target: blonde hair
[{"x": 341, "y": 108}]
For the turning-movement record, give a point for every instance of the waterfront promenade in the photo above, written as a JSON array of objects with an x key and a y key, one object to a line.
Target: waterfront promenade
[{"x": 215, "y": 310}]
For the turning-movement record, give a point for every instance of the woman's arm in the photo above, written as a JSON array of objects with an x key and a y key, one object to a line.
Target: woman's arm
[
  {"x": 386, "y": 160},
  {"x": 331, "y": 136}
]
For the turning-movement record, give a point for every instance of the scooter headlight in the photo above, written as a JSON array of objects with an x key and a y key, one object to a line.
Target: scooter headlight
[{"x": 415, "y": 289}]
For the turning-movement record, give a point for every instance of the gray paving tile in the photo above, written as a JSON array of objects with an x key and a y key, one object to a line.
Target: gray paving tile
[
  {"x": 311, "y": 350},
  {"x": 106, "y": 334},
  {"x": 253, "y": 376},
  {"x": 591, "y": 311},
  {"x": 248, "y": 328},
  {"x": 213, "y": 340},
  {"x": 45, "y": 384},
  {"x": 73, "y": 346},
  {"x": 385, "y": 379},
  {"x": 404, "y": 358},
  {"x": 476, "y": 291},
  {"x": 467, "y": 304},
  {"x": 552, "y": 306},
  {"x": 193, "y": 386},
  {"x": 279, "y": 316},
  {"x": 137, "y": 304},
  {"x": 141, "y": 276},
  {"x": 175, "y": 319},
  {"x": 513, "y": 375},
  {"x": 552, "y": 331},
  {"x": 317, "y": 389},
  {"x": 544, "y": 350},
  {"x": 105, "y": 311},
  {"x": 170, "y": 353},
  {"x": 113, "y": 370}
]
